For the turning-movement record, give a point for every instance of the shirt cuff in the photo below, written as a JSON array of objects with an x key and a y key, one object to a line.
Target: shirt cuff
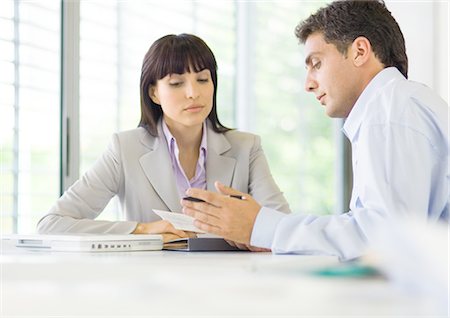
[{"x": 265, "y": 226}]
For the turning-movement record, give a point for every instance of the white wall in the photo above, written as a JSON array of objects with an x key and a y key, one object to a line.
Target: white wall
[{"x": 425, "y": 27}]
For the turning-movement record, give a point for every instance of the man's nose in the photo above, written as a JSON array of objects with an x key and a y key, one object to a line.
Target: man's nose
[{"x": 310, "y": 84}]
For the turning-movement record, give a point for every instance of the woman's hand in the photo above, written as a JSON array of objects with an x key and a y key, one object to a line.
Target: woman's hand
[{"x": 168, "y": 231}]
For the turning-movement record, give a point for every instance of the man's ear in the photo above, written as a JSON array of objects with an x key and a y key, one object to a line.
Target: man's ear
[
  {"x": 153, "y": 93},
  {"x": 361, "y": 51}
]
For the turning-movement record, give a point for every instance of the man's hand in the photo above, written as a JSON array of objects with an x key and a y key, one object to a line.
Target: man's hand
[
  {"x": 246, "y": 247},
  {"x": 220, "y": 214},
  {"x": 162, "y": 227}
]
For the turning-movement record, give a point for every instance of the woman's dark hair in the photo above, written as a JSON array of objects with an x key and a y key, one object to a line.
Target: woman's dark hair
[
  {"x": 342, "y": 22},
  {"x": 175, "y": 54}
]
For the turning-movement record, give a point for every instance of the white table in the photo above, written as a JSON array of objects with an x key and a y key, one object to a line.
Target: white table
[{"x": 165, "y": 283}]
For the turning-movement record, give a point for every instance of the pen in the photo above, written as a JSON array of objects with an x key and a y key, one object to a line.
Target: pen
[
  {"x": 193, "y": 199},
  {"x": 240, "y": 197}
]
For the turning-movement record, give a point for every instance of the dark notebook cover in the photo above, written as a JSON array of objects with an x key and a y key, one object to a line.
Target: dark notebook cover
[{"x": 199, "y": 244}]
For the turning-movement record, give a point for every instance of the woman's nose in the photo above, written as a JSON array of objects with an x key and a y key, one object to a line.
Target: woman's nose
[{"x": 192, "y": 90}]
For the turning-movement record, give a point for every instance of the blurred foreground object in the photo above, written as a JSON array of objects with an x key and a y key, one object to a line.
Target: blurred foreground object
[{"x": 414, "y": 256}]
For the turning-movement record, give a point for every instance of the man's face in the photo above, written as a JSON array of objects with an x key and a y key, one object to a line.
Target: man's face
[{"x": 331, "y": 76}]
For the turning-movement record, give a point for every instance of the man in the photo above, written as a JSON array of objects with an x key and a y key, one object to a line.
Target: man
[{"x": 357, "y": 68}]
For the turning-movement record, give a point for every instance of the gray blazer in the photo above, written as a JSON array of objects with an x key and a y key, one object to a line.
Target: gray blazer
[{"x": 137, "y": 168}]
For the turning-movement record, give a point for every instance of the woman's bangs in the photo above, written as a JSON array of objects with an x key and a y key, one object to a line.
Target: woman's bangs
[{"x": 183, "y": 61}]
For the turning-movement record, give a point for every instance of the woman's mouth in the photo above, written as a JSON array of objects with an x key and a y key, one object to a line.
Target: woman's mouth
[{"x": 193, "y": 108}]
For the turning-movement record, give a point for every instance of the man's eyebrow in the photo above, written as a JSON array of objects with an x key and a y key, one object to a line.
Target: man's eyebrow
[{"x": 310, "y": 57}]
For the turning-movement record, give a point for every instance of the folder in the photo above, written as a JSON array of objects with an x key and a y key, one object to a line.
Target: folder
[{"x": 199, "y": 244}]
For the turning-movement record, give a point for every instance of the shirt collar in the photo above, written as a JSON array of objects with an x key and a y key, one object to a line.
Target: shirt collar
[
  {"x": 356, "y": 116},
  {"x": 171, "y": 141}
]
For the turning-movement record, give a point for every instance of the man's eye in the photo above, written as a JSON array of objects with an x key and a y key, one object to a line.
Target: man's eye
[{"x": 316, "y": 65}]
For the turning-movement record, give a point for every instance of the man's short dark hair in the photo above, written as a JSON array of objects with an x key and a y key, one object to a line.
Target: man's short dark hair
[{"x": 342, "y": 22}]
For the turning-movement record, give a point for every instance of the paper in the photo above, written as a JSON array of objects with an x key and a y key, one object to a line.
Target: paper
[{"x": 179, "y": 221}]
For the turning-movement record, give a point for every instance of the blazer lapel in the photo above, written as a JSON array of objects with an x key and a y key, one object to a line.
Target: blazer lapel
[
  {"x": 157, "y": 166},
  {"x": 218, "y": 166}
]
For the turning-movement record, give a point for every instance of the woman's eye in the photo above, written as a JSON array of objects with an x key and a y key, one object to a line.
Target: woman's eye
[
  {"x": 203, "y": 80},
  {"x": 175, "y": 84}
]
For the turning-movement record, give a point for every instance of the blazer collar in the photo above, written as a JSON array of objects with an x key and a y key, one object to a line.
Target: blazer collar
[
  {"x": 219, "y": 167},
  {"x": 148, "y": 140},
  {"x": 157, "y": 166}
]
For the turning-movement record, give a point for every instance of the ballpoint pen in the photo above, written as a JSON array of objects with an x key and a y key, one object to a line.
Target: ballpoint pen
[{"x": 240, "y": 197}]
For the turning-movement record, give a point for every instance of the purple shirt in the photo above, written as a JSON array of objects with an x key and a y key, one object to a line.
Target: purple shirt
[{"x": 199, "y": 179}]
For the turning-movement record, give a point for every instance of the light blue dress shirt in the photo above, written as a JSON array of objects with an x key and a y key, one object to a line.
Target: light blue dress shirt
[{"x": 400, "y": 146}]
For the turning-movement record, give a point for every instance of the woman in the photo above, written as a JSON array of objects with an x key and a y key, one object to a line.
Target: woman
[{"x": 180, "y": 143}]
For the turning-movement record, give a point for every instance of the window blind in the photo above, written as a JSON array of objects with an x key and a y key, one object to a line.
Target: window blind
[{"x": 29, "y": 101}]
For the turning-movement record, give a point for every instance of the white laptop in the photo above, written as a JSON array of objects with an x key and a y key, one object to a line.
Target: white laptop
[{"x": 88, "y": 242}]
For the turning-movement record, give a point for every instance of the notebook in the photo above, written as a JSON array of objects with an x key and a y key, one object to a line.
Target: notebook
[
  {"x": 88, "y": 242},
  {"x": 202, "y": 243}
]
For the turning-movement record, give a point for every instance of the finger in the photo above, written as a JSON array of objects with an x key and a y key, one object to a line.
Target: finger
[
  {"x": 231, "y": 243},
  {"x": 201, "y": 216},
  {"x": 241, "y": 246},
  {"x": 208, "y": 228},
  {"x": 169, "y": 237},
  {"x": 169, "y": 228},
  {"x": 257, "y": 249},
  {"x": 212, "y": 198},
  {"x": 223, "y": 189},
  {"x": 202, "y": 208},
  {"x": 180, "y": 233},
  {"x": 191, "y": 234}
]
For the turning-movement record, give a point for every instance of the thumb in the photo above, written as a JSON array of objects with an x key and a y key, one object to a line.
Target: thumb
[{"x": 223, "y": 189}]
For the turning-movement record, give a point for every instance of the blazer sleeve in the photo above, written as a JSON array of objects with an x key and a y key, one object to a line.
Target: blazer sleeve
[
  {"x": 77, "y": 208},
  {"x": 262, "y": 186}
]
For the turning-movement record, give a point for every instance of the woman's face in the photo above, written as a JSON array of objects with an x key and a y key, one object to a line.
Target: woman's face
[{"x": 186, "y": 99}]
